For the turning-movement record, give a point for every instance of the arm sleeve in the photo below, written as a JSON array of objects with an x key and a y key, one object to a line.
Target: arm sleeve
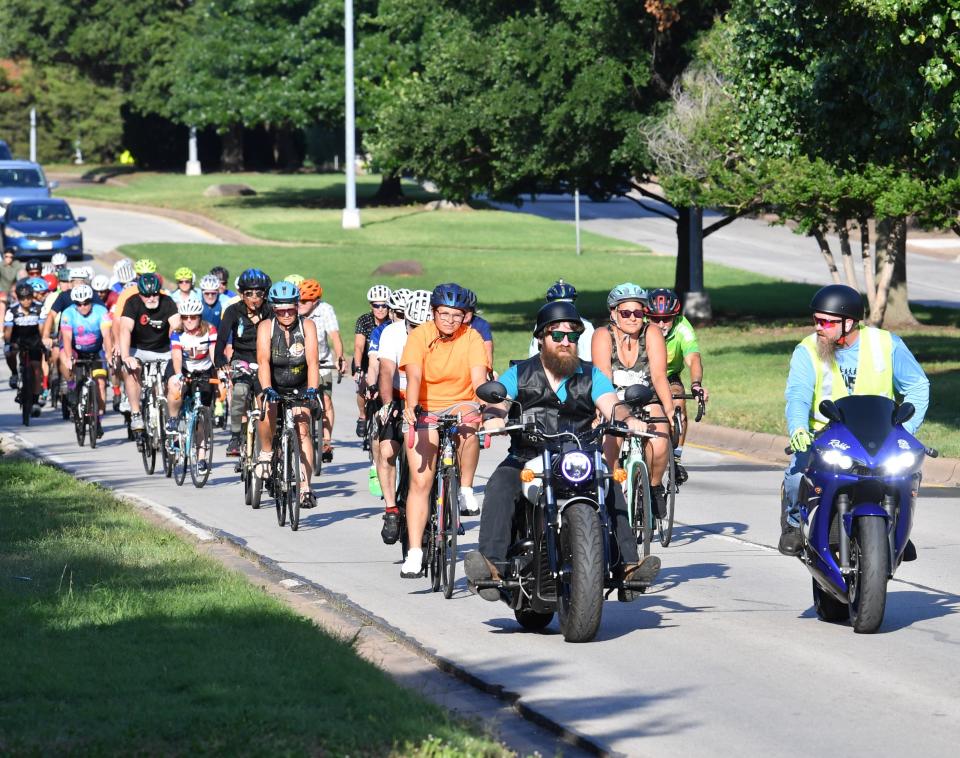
[
  {"x": 910, "y": 381},
  {"x": 799, "y": 392},
  {"x": 175, "y": 341},
  {"x": 688, "y": 339},
  {"x": 601, "y": 385}
]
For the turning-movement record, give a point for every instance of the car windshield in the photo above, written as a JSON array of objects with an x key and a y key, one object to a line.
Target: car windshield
[
  {"x": 38, "y": 212},
  {"x": 20, "y": 177}
]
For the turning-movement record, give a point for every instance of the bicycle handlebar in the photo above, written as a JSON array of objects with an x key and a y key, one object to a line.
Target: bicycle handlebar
[{"x": 701, "y": 403}]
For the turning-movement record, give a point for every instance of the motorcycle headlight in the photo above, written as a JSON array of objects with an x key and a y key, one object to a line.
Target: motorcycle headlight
[
  {"x": 837, "y": 459},
  {"x": 13, "y": 233},
  {"x": 900, "y": 462},
  {"x": 576, "y": 467},
  {"x": 72, "y": 232}
]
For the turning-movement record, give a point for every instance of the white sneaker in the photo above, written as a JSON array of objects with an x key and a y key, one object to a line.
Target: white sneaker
[
  {"x": 468, "y": 502},
  {"x": 412, "y": 567},
  {"x": 124, "y": 405}
]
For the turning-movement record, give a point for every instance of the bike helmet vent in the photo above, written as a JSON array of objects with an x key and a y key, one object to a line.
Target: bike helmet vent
[
  {"x": 451, "y": 295},
  {"x": 662, "y": 302},
  {"x": 560, "y": 290},
  {"x": 283, "y": 293}
]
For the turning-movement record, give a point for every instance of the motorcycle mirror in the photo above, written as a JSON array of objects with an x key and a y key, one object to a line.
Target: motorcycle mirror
[
  {"x": 829, "y": 410},
  {"x": 638, "y": 394},
  {"x": 903, "y": 413},
  {"x": 492, "y": 392}
]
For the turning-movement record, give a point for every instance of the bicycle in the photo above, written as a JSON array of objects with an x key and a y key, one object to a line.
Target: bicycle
[
  {"x": 443, "y": 522},
  {"x": 25, "y": 387},
  {"x": 85, "y": 411},
  {"x": 193, "y": 444},
  {"x": 316, "y": 422},
  {"x": 285, "y": 481},
  {"x": 671, "y": 484},
  {"x": 638, "y": 497},
  {"x": 246, "y": 466},
  {"x": 152, "y": 406}
]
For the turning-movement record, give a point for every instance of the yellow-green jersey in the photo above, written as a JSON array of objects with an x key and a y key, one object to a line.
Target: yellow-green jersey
[{"x": 681, "y": 342}]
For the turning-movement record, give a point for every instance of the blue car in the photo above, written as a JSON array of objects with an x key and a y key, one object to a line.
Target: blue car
[
  {"x": 39, "y": 228},
  {"x": 5, "y": 151}
]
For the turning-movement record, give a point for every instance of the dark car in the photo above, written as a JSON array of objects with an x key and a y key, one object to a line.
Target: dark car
[
  {"x": 5, "y": 151},
  {"x": 41, "y": 227}
]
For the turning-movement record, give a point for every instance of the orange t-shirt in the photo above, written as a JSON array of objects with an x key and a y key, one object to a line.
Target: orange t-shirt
[{"x": 445, "y": 364}]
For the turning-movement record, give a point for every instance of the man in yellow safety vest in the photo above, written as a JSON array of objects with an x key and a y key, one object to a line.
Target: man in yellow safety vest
[{"x": 842, "y": 357}]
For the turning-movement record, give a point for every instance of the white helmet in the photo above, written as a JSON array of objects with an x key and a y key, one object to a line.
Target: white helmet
[
  {"x": 81, "y": 292},
  {"x": 89, "y": 271},
  {"x": 58, "y": 259},
  {"x": 398, "y": 299},
  {"x": 418, "y": 307},
  {"x": 378, "y": 293},
  {"x": 100, "y": 283},
  {"x": 190, "y": 306},
  {"x": 210, "y": 283},
  {"x": 78, "y": 273},
  {"x": 124, "y": 271},
  {"x": 47, "y": 268}
]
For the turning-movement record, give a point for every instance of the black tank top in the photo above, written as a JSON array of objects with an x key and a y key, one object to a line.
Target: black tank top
[{"x": 288, "y": 362}]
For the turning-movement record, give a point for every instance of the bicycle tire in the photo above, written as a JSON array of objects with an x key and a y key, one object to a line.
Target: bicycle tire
[
  {"x": 180, "y": 463},
  {"x": 665, "y": 524},
  {"x": 278, "y": 474},
  {"x": 201, "y": 447},
  {"x": 147, "y": 451},
  {"x": 293, "y": 478},
  {"x": 26, "y": 391},
  {"x": 641, "y": 516},
  {"x": 403, "y": 480},
  {"x": 93, "y": 411},
  {"x": 448, "y": 532},
  {"x": 256, "y": 483},
  {"x": 317, "y": 439},
  {"x": 434, "y": 553},
  {"x": 166, "y": 459},
  {"x": 79, "y": 422}
]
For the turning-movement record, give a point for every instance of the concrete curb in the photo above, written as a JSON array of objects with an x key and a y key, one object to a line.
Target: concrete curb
[{"x": 943, "y": 472}]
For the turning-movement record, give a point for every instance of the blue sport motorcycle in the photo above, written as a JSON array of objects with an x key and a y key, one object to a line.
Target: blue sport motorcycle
[{"x": 857, "y": 499}]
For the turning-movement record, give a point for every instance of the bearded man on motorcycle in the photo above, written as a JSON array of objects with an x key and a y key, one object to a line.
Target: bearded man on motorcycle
[{"x": 566, "y": 393}]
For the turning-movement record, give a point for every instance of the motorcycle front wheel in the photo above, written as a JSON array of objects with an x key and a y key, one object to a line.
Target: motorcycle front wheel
[
  {"x": 581, "y": 582},
  {"x": 869, "y": 559}
]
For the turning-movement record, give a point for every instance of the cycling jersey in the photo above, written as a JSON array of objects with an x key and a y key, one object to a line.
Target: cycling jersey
[
  {"x": 86, "y": 331},
  {"x": 213, "y": 314},
  {"x": 288, "y": 356},
  {"x": 626, "y": 376},
  {"x": 25, "y": 323},
  {"x": 681, "y": 342},
  {"x": 151, "y": 328},
  {"x": 483, "y": 326},
  {"x": 180, "y": 296},
  {"x": 392, "y": 341},
  {"x": 237, "y": 326},
  {"x": 197, "y": 348},
  {"x": 373, "y": 344}
]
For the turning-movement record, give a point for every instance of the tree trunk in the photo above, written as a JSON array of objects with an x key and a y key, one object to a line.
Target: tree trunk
[
  {"x": 893, "y": 277},
  {"x": 682, "y": 273},
  {"x": 869, "y": 281},
  {"x": 285, "y": 153},
  {"x": 846, "y": 253},
  {"x": 231, "y": 148},
  {"x": 390, "y": 191},
  {"x": 827, "y": 253}
]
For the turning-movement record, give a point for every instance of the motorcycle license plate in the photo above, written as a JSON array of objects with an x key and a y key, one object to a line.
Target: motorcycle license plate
[{"x": 45, "y": 245}]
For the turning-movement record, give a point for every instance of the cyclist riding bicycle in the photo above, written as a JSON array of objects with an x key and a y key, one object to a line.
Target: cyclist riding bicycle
[
  {"x": 378, "y": 296},
  {"x": 85, "y": 333},
  {"x": 213, "y": 301},
  {"x": 445, "y": 361},
  {"x": 21, "y": 330},
  {"x": 185, "y": 279},
  {"x": 663, "y": 310},
  {"x": 392, "y": 385},
  {"x": 145, "y": 327},
  {"x": 224, "y": 276},
  {"x": 238, "y": 327},
  {"x": 329, "y": 351},
  {"x": 287, "y": 360},
  {"x": 563, "y": 292},
  {"x": 629, "y": 352},
  {"x": 123, "y": 275}
]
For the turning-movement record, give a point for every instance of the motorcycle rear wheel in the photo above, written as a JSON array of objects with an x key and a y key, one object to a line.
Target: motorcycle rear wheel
[
  {"x": 581, "y": 586},
  {"x": 869, "y": 558}
]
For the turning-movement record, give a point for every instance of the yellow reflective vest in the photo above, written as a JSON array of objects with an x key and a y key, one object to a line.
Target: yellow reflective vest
[{"x": 874, "y": 371}]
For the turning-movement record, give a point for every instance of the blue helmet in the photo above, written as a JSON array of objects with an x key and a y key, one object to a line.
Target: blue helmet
[
  {"x": 560, "y": 290},
  {"x": 37, "y": 284},
  {"x": 253, "y": 279},
  {"x": 283, "y": 293},
  {"x": 453, "y": 296}
]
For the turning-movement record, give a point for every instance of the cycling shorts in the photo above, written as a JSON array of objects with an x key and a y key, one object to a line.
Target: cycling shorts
[
  {"x": 676, "y": 381},
  {"x": 392, "y": 430}
]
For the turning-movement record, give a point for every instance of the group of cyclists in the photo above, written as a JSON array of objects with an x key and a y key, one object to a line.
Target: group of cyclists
[{"x": 415, "y": 353}]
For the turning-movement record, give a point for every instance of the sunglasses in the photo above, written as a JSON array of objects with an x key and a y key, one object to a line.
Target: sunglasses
[
  {"x": 85, "y": 302},
  {"x": 378, "y": 305},
  {"x": 285, "y": 311},
  {"x": 151, "y": 297},
  {"x": 827, "y": 323},
  {"x": 253, "y": 293},
  {"x": 190, "y": 316},
  {"x": 184, "y": 281},
  {"x": 558, "y": 336},
  {"x": 625, "y": 313},
  {"x": 661, "y": 319}
]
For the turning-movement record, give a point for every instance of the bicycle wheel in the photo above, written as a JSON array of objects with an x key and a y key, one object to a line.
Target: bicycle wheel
[
  {"x": 179, "y": 456},
  {"x": 93, "y": 411},
  {"x": 279, "y": 479},
  {"x": 665, "y": 524},
  {"x": 256, "y": 483},
  {"x": 293, "y": 478},
  {"x": 316, "y": 434},
  {"x": 434, "y": 553},
  {"x": 641, "y": 515},
  {"x": 166, "y": 457},
  {"x": 147, "y": 451},
  {"x": 26, "y": 391},
  {"x": 201, "y": 449},
  {"x": 448, "y": 532},
  {"x": 79, "y": 414},
  {"x": 403, "y": 478}
]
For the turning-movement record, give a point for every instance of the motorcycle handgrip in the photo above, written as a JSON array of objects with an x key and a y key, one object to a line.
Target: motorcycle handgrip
[{"x": 931, "y": 452}]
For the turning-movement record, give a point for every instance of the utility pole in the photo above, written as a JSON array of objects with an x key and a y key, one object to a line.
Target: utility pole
[
  {"x": 351, "y": 215},
  {"x": 33, "y": 135},
  {"x": 193, "y": 164}
]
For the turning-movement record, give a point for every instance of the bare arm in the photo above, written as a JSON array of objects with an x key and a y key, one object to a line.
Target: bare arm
[
  {"x": 387, "y": 370},
  {"x": 126, "y": 329},
  {"x": 337, "y": 344},
  {"x": 414, "y": 378},
  {"x": 264, "y": 330},
  {"x": 601, "y": 349},
  {"x": 312, "y": 350},
  {"x": 176, "y": 357},
  {"x": 66, "y": 334},
  {"x": 359, "y": 344},
  {"x": 657, "y": 356}
]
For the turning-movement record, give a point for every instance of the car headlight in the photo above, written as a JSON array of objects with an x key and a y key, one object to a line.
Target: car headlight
[
  {"x": 900, "y": 462},
  {"x": 576, "y": 467},
  {"x": 73, "y": 232},
  {"x": 13, "y": 233},
  {"x": 837, "y": 459}
]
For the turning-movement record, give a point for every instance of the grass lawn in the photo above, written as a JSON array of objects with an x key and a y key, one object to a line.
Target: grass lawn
[{"x": 118, "y": 638}]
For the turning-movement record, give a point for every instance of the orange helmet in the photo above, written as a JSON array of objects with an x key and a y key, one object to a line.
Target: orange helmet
[{"x": 310, "y": 289}]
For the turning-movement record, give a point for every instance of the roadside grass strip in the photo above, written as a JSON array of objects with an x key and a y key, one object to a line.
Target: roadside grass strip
[{"x": 117, "y": 637}]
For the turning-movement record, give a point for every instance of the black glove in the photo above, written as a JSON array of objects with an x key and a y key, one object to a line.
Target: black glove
[{"x": 271, "y": 395}]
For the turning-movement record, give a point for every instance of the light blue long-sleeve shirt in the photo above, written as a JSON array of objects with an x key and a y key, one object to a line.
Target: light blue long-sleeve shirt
[{"x": 908, "y": 381}]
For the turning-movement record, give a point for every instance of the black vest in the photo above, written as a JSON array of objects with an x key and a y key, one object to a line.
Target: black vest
[{"x": 575, "y": 414}]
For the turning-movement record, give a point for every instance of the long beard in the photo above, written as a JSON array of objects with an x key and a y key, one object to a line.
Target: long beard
[
  {"x": 560, "y": 364},
  {"x": 826, "y": 349}
]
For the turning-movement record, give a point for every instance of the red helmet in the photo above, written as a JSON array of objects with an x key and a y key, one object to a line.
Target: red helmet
[
  {"x": 662, "y": 302},
  {"x": 52, "y": 281}
]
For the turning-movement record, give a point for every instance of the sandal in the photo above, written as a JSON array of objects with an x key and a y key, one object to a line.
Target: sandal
[
  {"x": 307, "y": 501},
  {"x": 261, "y": 469}
]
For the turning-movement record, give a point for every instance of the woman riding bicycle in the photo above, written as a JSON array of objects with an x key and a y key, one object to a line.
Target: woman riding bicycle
[
  {"x": 629, "y": 352},
  {"x": 287, "y": 360},
  {"x": 445, "y": 361}
]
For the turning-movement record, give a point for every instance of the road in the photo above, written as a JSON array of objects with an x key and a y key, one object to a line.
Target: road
[
  {"x": 749, "y": 244},
  {"x": 724, "y": 651}
]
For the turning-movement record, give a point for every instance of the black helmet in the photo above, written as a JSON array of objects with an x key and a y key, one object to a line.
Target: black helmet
[
  {"x": 33, "y": 265},
  {"x": 148, "y": 284},
  {"x": 23, "y": 290},
  {"x": 838, "y": 300},
  {"x": 552, "y": 313}
]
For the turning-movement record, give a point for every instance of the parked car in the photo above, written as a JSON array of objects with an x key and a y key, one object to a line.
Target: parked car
[
  {"x": 5, "y": 154},
  {"x": 39, "y": 228},
  {"x": 22, "y": 179}
]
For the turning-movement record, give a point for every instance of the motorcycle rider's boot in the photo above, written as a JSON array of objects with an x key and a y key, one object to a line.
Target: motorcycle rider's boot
[
  {"x": 479, "y": 569},
  {"x": 791, "y": 541},
  {"x": 909, "y": 552},
  {"x": 642, "y": 573}
]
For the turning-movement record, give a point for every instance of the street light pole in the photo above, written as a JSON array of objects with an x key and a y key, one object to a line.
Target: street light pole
[
  {"x": 351, "y": 215},
  {"x": 193, "y": 164},
  {"x": 33, "y": 135}
]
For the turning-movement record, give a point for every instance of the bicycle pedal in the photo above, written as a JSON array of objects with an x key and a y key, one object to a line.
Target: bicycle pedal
[{"x": 460, "y": 530}]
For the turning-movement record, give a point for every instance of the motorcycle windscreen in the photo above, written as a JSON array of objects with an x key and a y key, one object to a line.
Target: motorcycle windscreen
[{"x": 869, "y": 418}]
